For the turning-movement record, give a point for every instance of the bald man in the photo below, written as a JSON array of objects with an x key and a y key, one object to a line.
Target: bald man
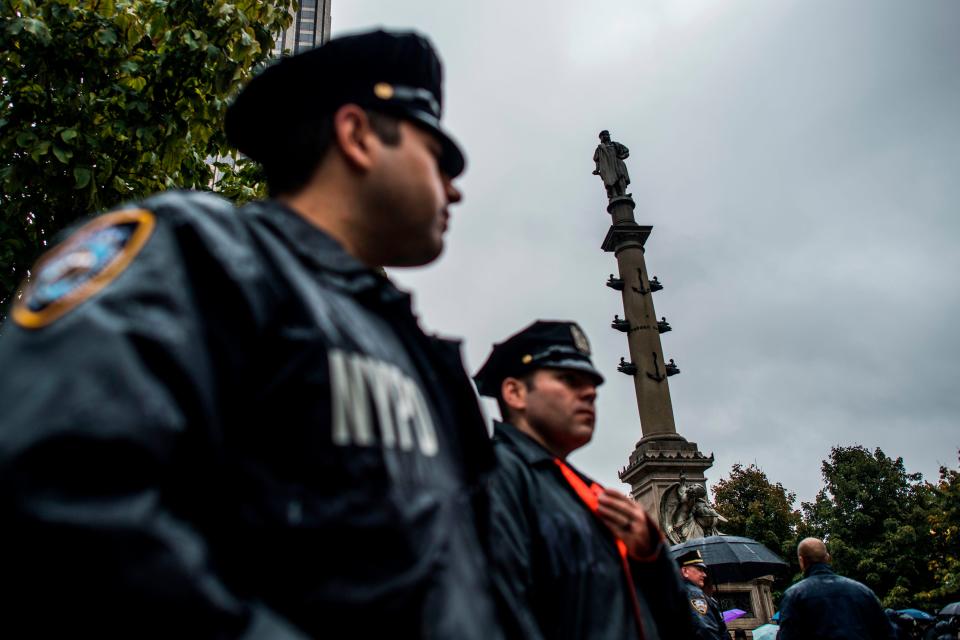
[{"x": 829, "y": 607}]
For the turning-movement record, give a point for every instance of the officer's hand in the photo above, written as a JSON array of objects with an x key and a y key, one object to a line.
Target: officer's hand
[{"x": 629, "y": 521}]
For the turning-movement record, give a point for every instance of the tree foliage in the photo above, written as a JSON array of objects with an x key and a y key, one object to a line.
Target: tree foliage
[
  {"x": 872, "y": 513},
  {"x": 944, "y": 522},
  {"x": 756, "y": 508},
  {"x": 884, "y": 527},
  {"x": 103, "y": 101}
]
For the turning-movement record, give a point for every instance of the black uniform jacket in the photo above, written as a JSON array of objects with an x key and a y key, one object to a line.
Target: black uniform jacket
[
  {"x": 557, "y": 564},
  {"x": 244, "y": 432},
  {"x": 830, "y": 607},
  {"x": 707, "y": 618}
]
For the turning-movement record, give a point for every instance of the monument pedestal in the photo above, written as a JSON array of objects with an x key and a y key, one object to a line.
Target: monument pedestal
[
  {"x": 755, "y": 597},
  {"x": 655, "y": 466}
]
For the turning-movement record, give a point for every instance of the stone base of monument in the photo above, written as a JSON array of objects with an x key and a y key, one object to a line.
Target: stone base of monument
[
  {"x": 754, "y": 597},
  {"x": 654, "y": 469}
]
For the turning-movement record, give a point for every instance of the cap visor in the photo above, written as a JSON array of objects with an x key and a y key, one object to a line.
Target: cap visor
[
  {"x": 577, "y": 365},
  {"x": 452, "y": 161}
]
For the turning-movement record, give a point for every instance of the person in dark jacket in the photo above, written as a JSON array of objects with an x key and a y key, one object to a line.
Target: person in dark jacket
[
  {"x": 944, "y": 630},
  {"x": 825, "y": 605},
  {"x": 707, "y": 618},
  {"x": 570, "y": 559},
  {"x": 222, "y": 423}
]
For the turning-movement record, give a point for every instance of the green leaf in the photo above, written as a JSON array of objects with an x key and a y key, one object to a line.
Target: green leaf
[
  {"x": 40, "y": 150},
  {"x": 26, "y": 138},
  {"x": 37, "y": 28},
  {"x": 137, "y": 84},
  {"x": 107, "y": 36},
  {"x": 63, "y": 155},
  {"x": 68, "y": 134},
  {"x": 82, "y": 177}
]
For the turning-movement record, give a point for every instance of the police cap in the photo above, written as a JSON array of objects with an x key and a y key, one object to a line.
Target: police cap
[
  {"x": 691, "y": 558},
  {"x": 561, "y": 345},
  {"x": 397, "y": 73}
]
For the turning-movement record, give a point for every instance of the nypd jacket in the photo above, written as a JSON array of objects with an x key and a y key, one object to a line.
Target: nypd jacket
[
  {"x": 216, "y": 423},
  {"x": 825, "y": 605},
  {"x": 556, "y": 564},
  {"x": 707, "y": 619}
]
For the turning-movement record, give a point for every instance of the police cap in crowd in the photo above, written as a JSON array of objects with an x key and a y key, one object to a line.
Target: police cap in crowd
[{"x": 560, "y": 345}]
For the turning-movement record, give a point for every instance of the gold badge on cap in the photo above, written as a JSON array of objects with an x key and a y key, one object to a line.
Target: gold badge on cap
[
  {"x": 580, "y": 340},
  {"x": 527, "y": 359},
  {"x": 383, "y": 90}
]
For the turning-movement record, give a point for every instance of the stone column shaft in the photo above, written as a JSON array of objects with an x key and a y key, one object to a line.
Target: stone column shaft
[{"x": 646, "y": 351}]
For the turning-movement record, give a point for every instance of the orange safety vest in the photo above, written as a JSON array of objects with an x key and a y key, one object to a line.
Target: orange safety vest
[{"x": 589, "y": 496}]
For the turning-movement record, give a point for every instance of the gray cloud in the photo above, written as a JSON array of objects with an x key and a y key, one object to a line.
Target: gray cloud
[{"x": 799, "y": 163}]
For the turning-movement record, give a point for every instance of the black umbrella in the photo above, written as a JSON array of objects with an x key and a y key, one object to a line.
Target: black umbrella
[
  {"x": 733, "y": 559},
  {"x": 952, "y": 609}
]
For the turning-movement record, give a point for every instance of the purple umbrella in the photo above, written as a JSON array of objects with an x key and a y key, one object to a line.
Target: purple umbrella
[{"x": 733, "y": 614}]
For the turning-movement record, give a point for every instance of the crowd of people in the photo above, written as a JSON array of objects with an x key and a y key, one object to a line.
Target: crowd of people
[
  {"x": 228, "y": 423},
  {"x": 908, "y": 627}
]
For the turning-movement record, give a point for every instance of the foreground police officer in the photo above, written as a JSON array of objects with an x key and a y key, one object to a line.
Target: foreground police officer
[
  {"x": 221, "y": 423},
  {"x": 571, "y": 559},
  {"x": 825, "y": 605},
  {"x": 707, "y": 618}
]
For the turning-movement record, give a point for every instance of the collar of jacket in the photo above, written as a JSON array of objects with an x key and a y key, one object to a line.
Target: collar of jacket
[
  {"x": 693, "y": 589},
  {"x": 818, "y": 569},
  {"x": 529, "y": 450},
  {"x": 316, "y": 248}
]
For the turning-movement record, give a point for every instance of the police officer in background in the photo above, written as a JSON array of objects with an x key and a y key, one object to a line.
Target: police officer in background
[
  {"x": 222, "y": 423},
  {"x": 571, "y": 559},
  {"x": 707, "y": 617}
]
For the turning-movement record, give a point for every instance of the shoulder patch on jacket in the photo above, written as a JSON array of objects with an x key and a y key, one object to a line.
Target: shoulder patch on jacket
[
  {"x": 699, "y": 605},
  {"x": 82, "y": 265}
]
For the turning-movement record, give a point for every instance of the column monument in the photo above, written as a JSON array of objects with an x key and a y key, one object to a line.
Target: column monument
[{"x": 665, "y": 471}]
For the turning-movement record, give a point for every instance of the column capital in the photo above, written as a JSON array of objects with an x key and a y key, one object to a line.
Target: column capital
[{"x": 626, "y": 233}]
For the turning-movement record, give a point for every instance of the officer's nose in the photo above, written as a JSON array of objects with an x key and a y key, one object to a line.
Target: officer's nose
[
  {"x": 589, "y": 393},
  {"x": 453, "y": 193}
]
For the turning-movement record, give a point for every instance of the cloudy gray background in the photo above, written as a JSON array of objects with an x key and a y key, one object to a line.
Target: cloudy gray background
[{"x": 799, "y": 161}]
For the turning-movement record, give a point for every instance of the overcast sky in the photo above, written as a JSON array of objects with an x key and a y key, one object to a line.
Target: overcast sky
[{"x": 800, "y": 163}]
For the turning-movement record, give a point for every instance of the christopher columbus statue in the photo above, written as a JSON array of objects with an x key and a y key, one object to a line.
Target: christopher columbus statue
[{"x": 609, "y": 158}]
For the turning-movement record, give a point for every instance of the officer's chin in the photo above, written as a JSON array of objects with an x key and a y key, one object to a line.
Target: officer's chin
[
  {"x": 418, "y": 257},
  {"x": 584, "y": 435}
]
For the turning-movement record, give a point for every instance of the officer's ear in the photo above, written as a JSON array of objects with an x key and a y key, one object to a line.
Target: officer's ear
[
  {"x": 514, "y": 393},
  {"x": 354, "y": 136}
]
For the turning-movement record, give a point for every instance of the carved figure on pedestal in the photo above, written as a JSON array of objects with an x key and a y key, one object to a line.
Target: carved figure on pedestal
[
  {"x": 685, "y": 513},
  {"x": 609, "y": 158}
]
